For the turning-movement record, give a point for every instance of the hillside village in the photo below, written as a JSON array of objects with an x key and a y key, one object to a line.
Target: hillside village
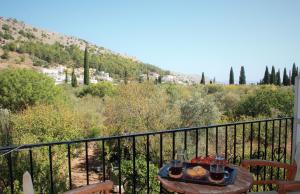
[
  {"x": 61, "y": 75},
  {"x": 22, "y": 44}
]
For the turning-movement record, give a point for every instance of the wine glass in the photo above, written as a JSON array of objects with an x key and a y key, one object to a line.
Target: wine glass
[{"x": 181, "y": 156}]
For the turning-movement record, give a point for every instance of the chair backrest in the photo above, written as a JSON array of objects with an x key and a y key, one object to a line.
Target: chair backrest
[
  {"x": 297, "y": 160},
  {"x": 104, "y": 187},
  {"x": 27, "y": 184}
]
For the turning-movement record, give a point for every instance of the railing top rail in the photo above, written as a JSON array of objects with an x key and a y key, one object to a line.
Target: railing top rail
[{"x": 28, "y": 146}]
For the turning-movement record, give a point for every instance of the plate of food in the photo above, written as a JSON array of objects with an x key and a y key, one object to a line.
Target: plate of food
[{"x": 196, "y": 172}]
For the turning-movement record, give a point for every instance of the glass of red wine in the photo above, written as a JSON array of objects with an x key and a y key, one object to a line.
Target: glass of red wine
[
  {"x": 176, "y": 166},
  {"x": 217, "y": 168}
]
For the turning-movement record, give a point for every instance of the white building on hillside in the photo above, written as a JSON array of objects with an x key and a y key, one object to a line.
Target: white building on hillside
[
  {"x": 169, "y": 79},
  {"x": 57, "y": 73}
]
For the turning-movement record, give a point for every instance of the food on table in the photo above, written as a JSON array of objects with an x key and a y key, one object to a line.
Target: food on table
[
  {"x": 206, "y": 160},
  {"x": 196, "y": 171}
]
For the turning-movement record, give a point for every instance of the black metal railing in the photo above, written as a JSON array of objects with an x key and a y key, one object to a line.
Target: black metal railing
[{"x": 137, "y": 157}]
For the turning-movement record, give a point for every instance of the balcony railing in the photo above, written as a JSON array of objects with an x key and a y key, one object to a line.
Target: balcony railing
[{"x": 132, "y": 160}]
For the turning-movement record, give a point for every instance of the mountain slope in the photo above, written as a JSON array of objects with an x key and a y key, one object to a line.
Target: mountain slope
[{"x": 37, "y": 47}]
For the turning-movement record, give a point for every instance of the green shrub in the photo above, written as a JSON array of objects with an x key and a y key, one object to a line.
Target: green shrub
[
  {"x": 100, "y": 89},
  {"x": 5, "y": 55},
  {"x": 20, "y": 88},
  {"x": 46, "y": 123},
  {"x": 268, "y": 102},
  {"x": 10, "y": 46},
  {"x": 39, "y": 62},
  {"x": 7, "y": 36},
  {"x": 5, "y": 27},
  {"x": 198, "y": 110},
  {"x": 141, "y": 175}
]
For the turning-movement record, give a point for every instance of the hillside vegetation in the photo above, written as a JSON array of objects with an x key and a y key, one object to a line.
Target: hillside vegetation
[{"x": 46, "y": 49}]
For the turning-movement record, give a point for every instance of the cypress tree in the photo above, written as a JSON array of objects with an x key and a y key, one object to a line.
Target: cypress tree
[
  {"x": 266, "y": 79},
  {"x": 231, "y": 76},
  {"x": 125, "y": 77},
  {"x": 294, "y": 73},
  {"x": 242, "y": 76},
  {"x": 86, "y": 78},
  {"x": 66, "y": 76},
  {"x": 273, "y": 76},
  {"x": 285, "y": 80},
  {"x": 73, "y": 79},
  {"x": 202, "y": 79},
  {"x": 290, "y": 78},
  {"x": 159, "y": 79},
  {"x": 278, "y": 79}
]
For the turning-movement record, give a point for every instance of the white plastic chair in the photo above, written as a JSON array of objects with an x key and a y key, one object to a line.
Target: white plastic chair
[{"x": 27, "y": 184}]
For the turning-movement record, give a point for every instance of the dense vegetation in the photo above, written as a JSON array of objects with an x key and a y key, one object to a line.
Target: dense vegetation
[
  {"x": 45, "y": 55},
  {"x": 34, "y": 111}
]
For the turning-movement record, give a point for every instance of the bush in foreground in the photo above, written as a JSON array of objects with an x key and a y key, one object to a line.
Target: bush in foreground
[{"x": 20, "y": 88}]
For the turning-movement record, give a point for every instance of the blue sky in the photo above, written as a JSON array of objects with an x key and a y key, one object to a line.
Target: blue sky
[{"x": 181, "y": 36}]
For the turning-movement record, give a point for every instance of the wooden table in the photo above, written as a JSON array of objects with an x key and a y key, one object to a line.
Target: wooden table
[{"x": 242, "y": 184}]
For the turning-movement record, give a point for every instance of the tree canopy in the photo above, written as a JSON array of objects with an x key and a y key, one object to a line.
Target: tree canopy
[
  {"x": 231, "y": 76},
  {"x": 242, "y": 79},
  {"x": 20, "y": 88}
]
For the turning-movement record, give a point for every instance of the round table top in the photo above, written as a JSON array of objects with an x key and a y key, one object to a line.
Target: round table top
[{"x": 242, "y": 184}]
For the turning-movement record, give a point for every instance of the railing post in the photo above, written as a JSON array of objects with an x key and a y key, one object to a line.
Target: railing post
[{"x": 296, "y": 127}]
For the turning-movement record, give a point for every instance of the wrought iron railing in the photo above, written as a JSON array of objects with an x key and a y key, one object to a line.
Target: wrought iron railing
[{"x": 137, "y": 157}]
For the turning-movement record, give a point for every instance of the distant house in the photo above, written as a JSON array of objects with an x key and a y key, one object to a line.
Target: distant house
[
  {"x": 151, "y": 76},
  {"x": 103, "y": 76},
  {"x": 57, "y": 73},
  {"x": 169, "y": 79}
]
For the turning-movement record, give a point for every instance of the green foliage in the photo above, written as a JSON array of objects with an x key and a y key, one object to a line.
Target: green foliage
[
  {"x": 10, "y": 46},
  {"x": 285, "y": 81},
  {"x": 202, "y": 79},
  {"x": 43, "y": 123},
  {"x": 125, "y": 77},
  {"x": 5, "y": 130},
  {"x": 231, "y": 76},
  {"x": 268, "y": 102},
  {"x": 198, "y": 110},
  {"x": 46, "y": 123},
  {"x": 278, "y": 79},
  {"x": 20, "y": 88},
  {"x": 273, "y": 76},
  {"x": 55, "y": 53},
  {"x": 28, "y": 35},
  {"x": 100, "y": 89},
  {"x": 39, "y": 62},
  {"x": 66, "y": 76},
  {"x": 242, "y": 79},
  {"x": 5, "y": 55},
  {"x": 5, "y": 27},
  {"x": 114, "y": 64},
  {"x": 74, "y": 79},
  {"x": 266, "y": 79},
  {"x": 140, "y": 107},
  {"x": 86, "y": 75},
  {"x": 141, "y": 174},
  {"x": 6, "y": 35},
  {"x": 294, "y": 73}
]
